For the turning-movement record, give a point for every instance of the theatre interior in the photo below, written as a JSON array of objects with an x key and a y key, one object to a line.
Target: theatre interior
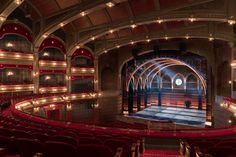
[{"x": 117, "y": 78}]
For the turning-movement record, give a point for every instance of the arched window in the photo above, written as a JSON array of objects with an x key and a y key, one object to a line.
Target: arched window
[
  {"x": 155, "y": 83},
  {"x": 191, "y": 82},
  {"x": 178, "y": 81}
]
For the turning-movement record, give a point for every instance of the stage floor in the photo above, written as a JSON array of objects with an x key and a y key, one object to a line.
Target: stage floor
[{"x": 183, "y": 116}]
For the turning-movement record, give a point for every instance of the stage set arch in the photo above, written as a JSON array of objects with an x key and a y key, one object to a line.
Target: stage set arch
[{"x": 152, "y": 82}]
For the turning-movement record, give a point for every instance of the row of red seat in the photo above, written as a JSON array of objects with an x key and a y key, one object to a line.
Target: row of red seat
[
  {"x": 209, "y": 147},
  {"x": 47, "y": 140},
  {"x": 119, "y": 124}
]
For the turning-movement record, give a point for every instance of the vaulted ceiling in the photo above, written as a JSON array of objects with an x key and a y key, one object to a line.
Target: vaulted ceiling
[{"x": 108, "y": 21}]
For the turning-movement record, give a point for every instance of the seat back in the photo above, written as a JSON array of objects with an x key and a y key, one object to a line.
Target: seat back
[
  {"x": 59, "y": 149},
  {"x": 65, "y": 139},
  {"x": 89, "y": 140},
  {"x": 90, "y": 150},
  {"x": 114, "y": 144},
  {"x": 28, "y": 147}
]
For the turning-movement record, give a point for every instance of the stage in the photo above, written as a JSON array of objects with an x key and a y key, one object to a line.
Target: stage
[{"x": 182, "y": 116}]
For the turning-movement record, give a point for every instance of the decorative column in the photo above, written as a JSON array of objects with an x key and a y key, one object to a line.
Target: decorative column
[
  {"x": 96, "y": 83},
  {"x": 233, "y": 69},
  {"x": 68, "y": 74},
  {"x": 36, "y": 72}
]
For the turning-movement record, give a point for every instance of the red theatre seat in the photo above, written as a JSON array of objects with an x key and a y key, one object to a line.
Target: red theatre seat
[
  {"x": 28, "y": 147},
  {"x": 59, "y": 149},
  {"x": 95, "y": 151}
]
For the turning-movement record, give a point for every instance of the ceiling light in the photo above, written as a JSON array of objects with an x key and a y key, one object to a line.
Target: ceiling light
[
  {"x": 211, "y": 38},
  {"x": 133, "y": 26},
  {"x": 92, "y": 38},
  {"x": 118, "y": 46},
  {"x": 47, "y": 78},
  {"x": 148, "y": 40},
  {"x": 105, "y": 51},
  {"x": 111, "y": 31},
  {"x": 10, "y": 73},
  {"x": 110, "y": 4},
  {"x": 83, "y": 13},
  {"x": 192, "y": 19},
  {"x": 187, "y": 36},
  {"x": 166, "y": 37},
  {"x": 2, "y": 19},
  {"x": 9, "y": 44},
  {"x": 159, "y": 21},
  {"x": 45, "y": 54},
  {"x": 62, "y": 24},
  {"x": 45, "y": 36},
  {"x": 77, "y": 47},
  {"x": 131, "y": 42},
  {"x": 231, "y": 22},
  {"x": 18, "y": 2}
]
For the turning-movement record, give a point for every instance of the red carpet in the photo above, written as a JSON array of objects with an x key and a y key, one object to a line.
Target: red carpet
[{"x": 160, "y": 153}]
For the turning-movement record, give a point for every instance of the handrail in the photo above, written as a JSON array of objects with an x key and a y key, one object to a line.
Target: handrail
[{"x": 207, "y": 132}]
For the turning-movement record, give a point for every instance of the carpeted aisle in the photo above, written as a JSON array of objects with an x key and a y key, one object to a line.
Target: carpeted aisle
[{"x": 160, "y": 153}]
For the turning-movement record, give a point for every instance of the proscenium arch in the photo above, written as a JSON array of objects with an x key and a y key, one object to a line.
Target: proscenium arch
[{"x": 174, "y": 62}]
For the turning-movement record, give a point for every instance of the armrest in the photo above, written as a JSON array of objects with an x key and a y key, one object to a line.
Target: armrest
[
  {"x": 181, "y": 147},
  {"x": 188, "y": 150},
  {"x": 142, "y": 145},
  {"x": 2, "y": 152},
  {"x": 198, "y": 153},
  {"x": 119, "y": 151},
  {"x": 133, "y": 149}
]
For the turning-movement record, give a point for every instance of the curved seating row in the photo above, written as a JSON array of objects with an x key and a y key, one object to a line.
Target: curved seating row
[
  {"x": 208, "y": 147},
  {"x": 43, "y": 139}
]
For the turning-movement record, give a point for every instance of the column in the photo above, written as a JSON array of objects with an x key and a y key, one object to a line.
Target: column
[
  {"x": 233, "y": 69},
  {"x": 68, "y": 73},
  {"x": 36, "y": 72},
  {"x": 96, "y": 83}
]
